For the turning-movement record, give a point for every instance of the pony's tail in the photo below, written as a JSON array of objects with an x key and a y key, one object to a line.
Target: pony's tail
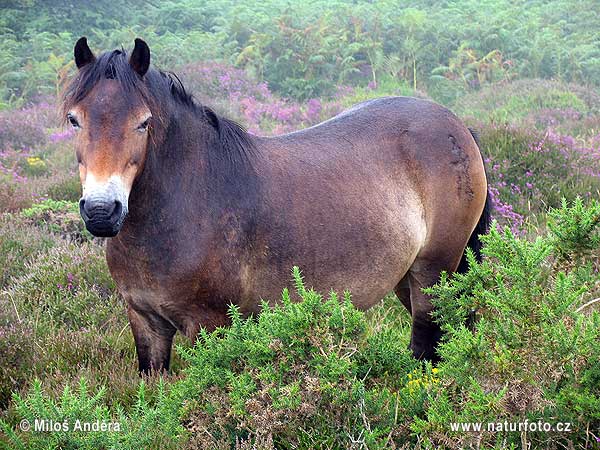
[{"x": 482, "y": 227}]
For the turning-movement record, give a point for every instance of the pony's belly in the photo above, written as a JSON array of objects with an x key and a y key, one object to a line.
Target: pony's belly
[
  {"x": 341, "y": 243},
  {"x": 369, "y": 269},
  {"x": 367, "y": 285},
  {"x": 183, "y": 309}
]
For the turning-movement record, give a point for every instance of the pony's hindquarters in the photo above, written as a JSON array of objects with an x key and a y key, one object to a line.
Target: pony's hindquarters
[{"x": 455, "y": 192}]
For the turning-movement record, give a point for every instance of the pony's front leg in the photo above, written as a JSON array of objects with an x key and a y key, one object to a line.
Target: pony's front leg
[{"x": 153, "y": 337}]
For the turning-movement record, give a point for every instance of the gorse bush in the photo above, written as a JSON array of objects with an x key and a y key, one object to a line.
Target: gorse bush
[
  {"x": 142, "y": 428},
  {"x": 301, "y": 375},
  {"x": 317, "y": 373},
  {"x": 574, "y": 230},
  {"x": 532, "y": 352}
]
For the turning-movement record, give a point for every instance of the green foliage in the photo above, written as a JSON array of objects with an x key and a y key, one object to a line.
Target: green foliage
[
  {"x": 76, "y": 409},
  {"x": 38, "y": 210},
  {"x": 304, "y": 49},
  {"x": 532, "y": 351},
  {"x": 298, "y": 366},
  {"x": 574, "y": 229},
  {"x": 60, "y": 217}
]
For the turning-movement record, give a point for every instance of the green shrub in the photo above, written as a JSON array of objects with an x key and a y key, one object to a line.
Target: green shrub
[
  {"x": 532, "y": 352},
  {"x": 143, "y": 428},
  {"x": 38, "y": 210},
  {"x": 574, "y": 230},
  {"x": 301, "y": 375},
  {"x": 60, "y": 217}
]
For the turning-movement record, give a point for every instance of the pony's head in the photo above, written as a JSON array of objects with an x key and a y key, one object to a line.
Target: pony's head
[
  {"x": 108, "y": 106},
  {"x": 122, "y": 111}
]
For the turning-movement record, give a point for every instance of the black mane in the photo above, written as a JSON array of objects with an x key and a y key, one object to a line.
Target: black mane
[{"x": 159, "y": 89}]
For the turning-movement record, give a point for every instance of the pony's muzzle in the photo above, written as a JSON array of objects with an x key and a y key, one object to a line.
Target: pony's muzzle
[
  {"x": 102, "y": 217},
  {"x": 103, "y": 206}
]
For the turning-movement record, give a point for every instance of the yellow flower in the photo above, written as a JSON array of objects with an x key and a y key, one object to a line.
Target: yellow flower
[
  {"x": 424, "y": 381},
  {"x": 35, "y": 161}
]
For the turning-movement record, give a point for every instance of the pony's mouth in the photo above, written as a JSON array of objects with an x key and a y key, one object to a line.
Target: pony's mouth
[{"x": 103, "y": 220}]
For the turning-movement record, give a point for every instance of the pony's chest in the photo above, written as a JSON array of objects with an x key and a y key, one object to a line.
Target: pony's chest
[
  {"x": 186, "y": 291},
  {"x": 158, "y": 269}
]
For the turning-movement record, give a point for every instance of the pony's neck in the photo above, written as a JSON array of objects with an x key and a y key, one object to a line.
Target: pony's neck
[
  {"x": 187, "y": 173},
  {"x": 174, "y": 168}
]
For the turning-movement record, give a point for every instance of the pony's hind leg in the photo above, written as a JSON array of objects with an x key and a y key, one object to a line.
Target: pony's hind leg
[
  {"x": 425, "y": 272},
  {"x": 402, "y": 291},
  {"x": 425, "y": 333}
]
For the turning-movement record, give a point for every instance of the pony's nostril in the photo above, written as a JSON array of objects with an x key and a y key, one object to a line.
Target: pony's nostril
[
  {"x": 117, "y": 209},
  {"x": 82, "y": 209}
]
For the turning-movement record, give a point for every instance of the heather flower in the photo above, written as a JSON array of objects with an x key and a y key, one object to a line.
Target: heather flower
[
  {"x": 61, "y": 136},
  {"x": 26, "y": 127},
  {"x": 313, "y": 110}
]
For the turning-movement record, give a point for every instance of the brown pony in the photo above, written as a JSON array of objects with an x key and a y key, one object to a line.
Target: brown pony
[{"x": 201, "y": 214}]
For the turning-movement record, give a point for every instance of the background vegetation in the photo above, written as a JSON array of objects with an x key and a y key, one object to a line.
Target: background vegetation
[
  {"x": 305, "y": 49},
  {"x": 318, "y": 374}
]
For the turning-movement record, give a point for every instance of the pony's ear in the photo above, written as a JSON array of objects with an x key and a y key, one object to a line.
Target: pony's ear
[
  {"x": 140, "y": 57},
  {"x": 83, "y": 54}
]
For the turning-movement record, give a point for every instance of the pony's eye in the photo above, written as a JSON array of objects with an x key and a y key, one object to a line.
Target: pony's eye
[
  {"x": 144, "y": 125},
  {"x": 73, "y": 121}
]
